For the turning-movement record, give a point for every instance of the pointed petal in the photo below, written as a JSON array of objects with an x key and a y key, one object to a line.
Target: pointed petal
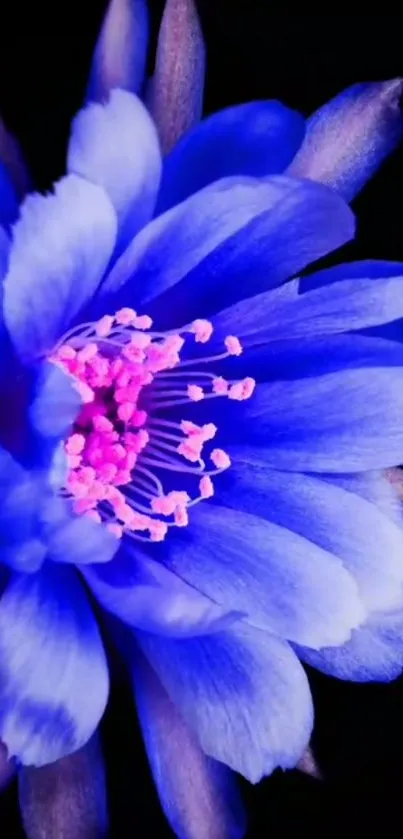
[
  {"x": 198, "y": 794},
  {"x": 348, "y": 139},
  {"x": 121, "y": 51},
  {"x": 242, "y": 692},
  {"x": 66, "y": 798},
  {"x": 178, "y": 82}
]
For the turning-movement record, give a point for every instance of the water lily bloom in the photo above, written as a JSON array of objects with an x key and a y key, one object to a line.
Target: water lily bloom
[{"x": 197, "y": 437}]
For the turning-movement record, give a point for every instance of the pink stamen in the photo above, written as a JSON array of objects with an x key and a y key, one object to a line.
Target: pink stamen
[{"x": 119, "y": 438}]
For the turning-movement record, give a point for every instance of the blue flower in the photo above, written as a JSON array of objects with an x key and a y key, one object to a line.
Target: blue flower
[{"x": 294, "y": 549}]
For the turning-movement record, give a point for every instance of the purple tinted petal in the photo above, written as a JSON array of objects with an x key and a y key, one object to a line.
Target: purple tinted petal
[
  {"x": 374, "y": 652},
  {"x": 61, "y": 247},
  {"x": 121, "y": 51},
  {"x": 74, "y": 538},
  {"x": 69, "y": 795},
  {"x": 243, "y": 693},
  {"x": 178, "y": 81},
  {"x": 115, "y": 145},
  {"x": 342, "y": 522},
  {"x": 198, "y": 794},
  {"x": 55, "y": 404},
  {"x": 51, "y": 657},
  {"x": 258, "y": 139},
  {"x": 347, "y": 139},
  {"x": 281, "y": 581},
  {"x": 231, "y": 240},
  {"x": 146, "y": 595}
]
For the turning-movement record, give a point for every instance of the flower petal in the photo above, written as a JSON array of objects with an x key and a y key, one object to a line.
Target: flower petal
[
  {"x": 243, "y": 693},
  {"x": 74, "y": 538},
  {"x": 341, "y": 305},
  {"x": 258, "y": 139},
  {"x": 343, "y": 421},
  {"x": 20, "y": 491},
  {"x": 146, "y": 595},
  {"x": 61, "y": 247},
  {"x": 67, "y": 795},
  {"x": 348, "y": 138},
  {"x": 373, "y": 654},
  {"x": 368, "y": 542},
  {"x": 55, "y": 404},
  {"x": 231, "y": 240},
  {"x": 281, "y": 581},
  {"x": 115, "y": 145},
  {"x": 198, "y": 795},
  {"x": 51, "y": 657},
  {"x": 4, "y": 252},
  {"x": 121, "y": 51},
  {"x": 178, "y": 81}
]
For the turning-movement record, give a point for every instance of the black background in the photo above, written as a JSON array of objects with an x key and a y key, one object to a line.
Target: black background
[{"x": 302, "y": 58}]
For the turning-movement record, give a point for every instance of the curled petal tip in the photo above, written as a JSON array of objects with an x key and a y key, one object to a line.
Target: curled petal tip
[
  {"x": 178, "y": 85},
  {"x": 121, "y": 51}
]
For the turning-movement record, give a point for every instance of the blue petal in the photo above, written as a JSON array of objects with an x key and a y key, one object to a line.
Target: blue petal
[
  {"x": 121, "y": 51},
  {"x": 20, "y": 492},
  {"x": 69, "y": 794},
  {"x": 56, "y": 402},
  {"x": 374, "y": 653},
  {"x": 341, "y": 421},
  {"x": 178, "y": 82},
  {"x": 116, "y": 146},
  {"x": 74, "y": 538},
  {"x": 341, "y": 305},
  {"x": 243, "y": 693},
  {"x": 146, "y": 595},
  {"x": 61, "y": 247},
  {"x": 198, "y": 795},
  {"x": 259, "y": 139},
  {"x": 8, "y": 198},
  {"x": 51, "y": 657},
  {"x": 348, "y": 139},
  {"x": 342, "y": 522},
  {"x": 280, "y": 580},
  {"x": 370, "y": 269},
  {"x": 233, "y": 239}
]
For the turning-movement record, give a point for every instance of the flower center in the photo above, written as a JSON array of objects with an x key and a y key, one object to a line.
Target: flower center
[{"x": 128, "y": 463}]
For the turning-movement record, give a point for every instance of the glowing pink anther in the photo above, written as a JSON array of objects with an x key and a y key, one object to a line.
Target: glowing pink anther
[
  {"x": 195, "y": 393},
  {"x": 209, "y": 431},
  {"x": 101, "y": 423},
  {"x": 125, "y": 317},
  {"x": 233, "y": 345},
  {"x": 236, "y": 391},
  {"x": 181, "y": 517},
  {"x": 86, "y": 392},
  {"x": 202, "y": 330},
  {"x": 139, "y": 419},
  {"x": 143, "y": 322},
  {"x": 104, "y": 326},
  {"x": 88, "y": 352},
  {"x": 75, "y": 444},
  {"x": 126, "y": 411},
  {"x": 206, "y": 487},
  {"x": 220, "y": 386},
  {"x": 158, "y": 531},
  {"x": 220, "y": 459},
  {"x": 249, "y": 386},
  {"x": 66, "y": 353},
  {"x": 116, "y": 529},
  {"x": 73, "y": 460}
]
